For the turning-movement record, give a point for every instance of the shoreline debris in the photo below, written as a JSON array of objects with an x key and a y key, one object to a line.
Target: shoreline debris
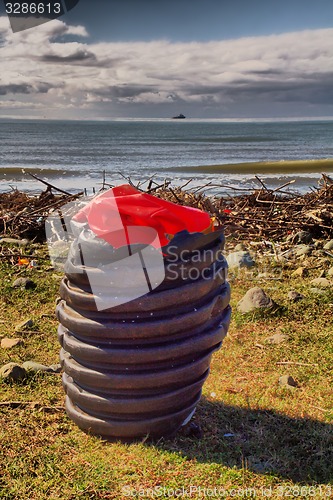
[{"x": 260, "y": 214}]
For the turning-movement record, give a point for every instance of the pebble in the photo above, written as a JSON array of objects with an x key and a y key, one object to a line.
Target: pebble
[
  {"x": 16, "y": 372},
  {"x": 287, "y": 381},
  {"x": 328, "y": 245},
  {"x": 8, "y": 343},
  {"x": 24, "y": 283},
  {"x": 295, "y": 296},
  {"x": 300, "y": 237},
  {"x": 12, "y": 372},
  {"x": 255, "y": 298},
  {"x": 32, "y": 366},
  {"x": 28, "y": 323},
  {"x": 322, "y": 282},
  {"x": 300, "y": 271},
  {"x": 302, "y": 250},
  {"x": 240, "y": 259},
  {"x": 277, "y": 338}
]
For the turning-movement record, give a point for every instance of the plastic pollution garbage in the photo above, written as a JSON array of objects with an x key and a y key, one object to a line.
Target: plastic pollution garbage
[
  {"x": 141, "y": 314},
  {"x": 22, "y": 261}
]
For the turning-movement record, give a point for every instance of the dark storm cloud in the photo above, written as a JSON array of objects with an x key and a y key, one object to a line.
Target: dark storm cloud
[
  {"x": 15, "y": 89},
  {"x": 315, "y": 89},
  {"x": 79, "y": 57},
  {"x": 23, "y": 88},
  {"x": 126, "y": 91}
]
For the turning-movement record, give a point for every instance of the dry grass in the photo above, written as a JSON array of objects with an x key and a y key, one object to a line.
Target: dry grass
[{"x": 257, "y": 436}]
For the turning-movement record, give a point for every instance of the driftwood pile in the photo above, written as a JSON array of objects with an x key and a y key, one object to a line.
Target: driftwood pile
[
  {"x": 23, "y": 216},
  {"x": 265, "y": 214},
  {"x": 262, "y": 214}
]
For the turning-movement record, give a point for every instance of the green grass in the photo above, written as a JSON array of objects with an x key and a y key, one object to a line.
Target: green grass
[{"x": 281, "y": 440}]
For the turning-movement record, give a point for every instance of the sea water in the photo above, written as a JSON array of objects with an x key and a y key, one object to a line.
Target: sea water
[{"x": 73, "y": 155}]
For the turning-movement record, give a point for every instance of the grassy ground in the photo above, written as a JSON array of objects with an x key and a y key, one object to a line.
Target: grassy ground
[{"x": 259, "y": 439}]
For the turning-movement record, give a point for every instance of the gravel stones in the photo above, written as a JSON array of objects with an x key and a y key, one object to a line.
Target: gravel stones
[
  {"x": 12, "y": 372},
  {"x": 24, "y": 283},
  {"x": 300, "y": 237},
  {"x": 288, "y": 382},
  {"x": 255, "y": 298},
  {"x": 277, "y": 338},
  {"x": 328, "y": 245},
  {"x": 295, "y": 296},
  {"x": 321, "y": 282},
  {"x": 8, "y": 343},
  {"x": 300, "y": 272},
  {"x": 32, "y": 366},
  {"x": 28, "y": 323},
  {"x": 240, "y": 259},
  {"x": 302, "y": 250}
]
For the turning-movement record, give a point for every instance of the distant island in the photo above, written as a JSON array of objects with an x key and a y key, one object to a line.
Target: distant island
[{"x": 179, "y": 117}]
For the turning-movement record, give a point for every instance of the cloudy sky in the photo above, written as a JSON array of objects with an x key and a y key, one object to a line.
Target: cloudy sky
[{"x": 155, "y": 58}]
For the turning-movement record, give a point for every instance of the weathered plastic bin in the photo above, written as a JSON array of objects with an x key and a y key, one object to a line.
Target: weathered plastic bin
[{"x": 137, "y": 369}]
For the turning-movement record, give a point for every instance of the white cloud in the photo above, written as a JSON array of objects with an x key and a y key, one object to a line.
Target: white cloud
[
  {"x": 14, "y": 104},
  {"x": 60, "y": 72}
]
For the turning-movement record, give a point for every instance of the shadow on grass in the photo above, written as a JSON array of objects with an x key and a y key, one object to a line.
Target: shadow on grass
[{"x": 262, "y": 441}]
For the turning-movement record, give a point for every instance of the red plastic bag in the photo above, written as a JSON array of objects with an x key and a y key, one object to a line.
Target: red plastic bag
[{"x": 112, "y": 214}]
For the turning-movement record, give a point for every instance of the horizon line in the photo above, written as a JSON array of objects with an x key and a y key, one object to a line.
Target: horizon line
[{"x": 164, "y": 119}]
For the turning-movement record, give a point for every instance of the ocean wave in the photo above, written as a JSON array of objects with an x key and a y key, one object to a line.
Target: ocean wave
[
  {"x": 263, "y": 167},
  {"x": 219, "y": 178},
  {"x": 19, "y": 172}
]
